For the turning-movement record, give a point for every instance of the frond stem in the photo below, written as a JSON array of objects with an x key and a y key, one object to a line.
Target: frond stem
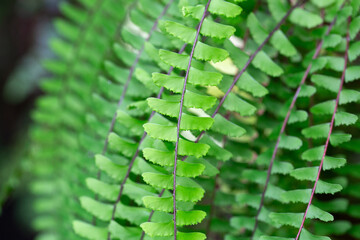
[
  {"x": 131, "y": 72},
  {"x": 284, "y": 124},
  {"x": 247, "y": 64},
  {"x": 181, "y": 110},
  {"x": 131, "y": 164},
  {"x": 330, "y": 130}
]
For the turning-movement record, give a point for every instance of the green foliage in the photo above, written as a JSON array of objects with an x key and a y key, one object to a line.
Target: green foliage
[{"x": 266, "y": 144}]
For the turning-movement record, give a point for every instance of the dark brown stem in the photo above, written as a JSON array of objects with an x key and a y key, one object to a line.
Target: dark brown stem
[{"x": 330, "y": 130}]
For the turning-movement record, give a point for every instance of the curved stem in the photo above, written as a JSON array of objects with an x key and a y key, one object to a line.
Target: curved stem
[
  {"x": 131, "y": 164},
  {"x": 181, "y": 110},
  {"x": 330, "y": 130},
  {"x": 236, "y": 78},
  {"x": 316, "y": 54},
  {"x": 123, "y": 94},
  {"x": 247, "y": 64},
  {"x": 131, "y": 72}
]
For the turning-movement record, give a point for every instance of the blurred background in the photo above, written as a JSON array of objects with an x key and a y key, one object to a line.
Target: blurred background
[{"x": 25, "y": 27}]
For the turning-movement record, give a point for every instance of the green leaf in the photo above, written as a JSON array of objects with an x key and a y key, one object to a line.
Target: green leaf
[
  {"x": 129, "y": 233},
  {"x": 209, "y": 27},
  {"x": 313, "y": 154},
  {"x": 306, "y": 235},
  {"x": 307, "y": 91},
  {"x": 274, "y": 192},
  {"x": 294, "y": 219},
  {"x": 282, "y": 167},
  {"x": 257, "y": 31},
  {"x": 196, "y": 77},
  {"x": 236, "y": 104},
  {"x": 163, "y": 158},
  {"x": 349, "y": 96},
  {"x": 205, "y": 52},
  {"x": 137, "y": 191},
  {"x": 354, "y": 27},
  {"x": 290, "y": 219},
  {"x": 224, "y": 8},
  {"x": 298, "y": 195},
  {"x": 153, "y": 52},
  {"x": 190, "y": 236},
  {"x": 335, "y": 63},
  {"x": 317, "y": 131},
  {"x": 98, "y": 209},
  {"x": 339, "y": 138},
  {"x": 317, "y": 213},
  {"x": 290, "y": 142},
  {"x": 158, "y": 131},
  {"x": 180, "y": 31},
  {"x": 215, "y": 150},
  {"x": 184, "y": 218},
  {"x": 328, "y": 188},
  {"x": 117, "y": 73},
  {"x": 308, "y": 19},
  {"x": 324, "y": 108},
  {"x": 298, "y": 116},
  {"x": 344, "y": 118},
  {"x": 305, "y": 173},
  {"x": 114, "y": 170},
  {"x": 176, "y": 60},
  {"x": 263, "y": 62},
  {"x": 186, "y": 169},
  {"x": 204, "y": 78},
  {"x": 89, "y": 231},
  {"x": 354, "y": 51},
  {"x": 133, "y": 124},
  {"x": 195, "y": 100},
  {"x": 189, "y": 194},
  {"x": 66, "y": 29},
  {"x": 281, "y": 43},
  {"x": 105, "y": 190},
  {"x": 330, "y": 83},
  {"x": 352, "y": 73},
  {"x": 331, "y": 163},
  {"x": 158, "y": 180},
  {"x": 323, "y": 3},
  {"x": 122, "y": 145},
  {"x": 164, "y": 204},
  {"x": 158, "y": 229},
  {"x": 165, "y": 107},
  {"x": 278, "y": 9},
  {"x": 248, "y": 83},
  {"x": 226, "y": 127},
  {"x": 189, "y": 122},
  {"x": 187, "y": 148},
  {"x": 331, "y": 40}
]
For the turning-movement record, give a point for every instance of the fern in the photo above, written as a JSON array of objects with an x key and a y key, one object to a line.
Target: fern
[{"x": 193, "y": 119}]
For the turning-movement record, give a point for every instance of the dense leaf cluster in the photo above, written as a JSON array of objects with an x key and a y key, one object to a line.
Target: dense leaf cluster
[{"x": 194, "y": 119}]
